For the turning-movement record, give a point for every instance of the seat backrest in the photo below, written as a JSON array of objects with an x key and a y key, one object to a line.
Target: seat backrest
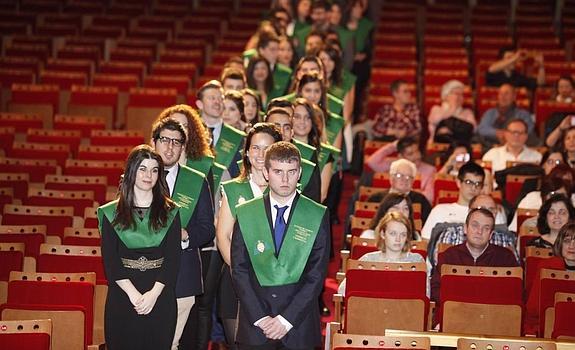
[
  {"x": 31, "y": 235},
  {"x": 398, "y": 279},
  {"x": 563, "y": 325},
  {"x": 552, "y": 281},
  {"x": 365, "y": 209},
  {"x": 81, "y": 236},
  {"x": 368, "y": 342},
  {"x": 46, "y": 197},
  {"x": 12, "y": 257},
  {"x": 533, "y": 256},
  {"x": 26, "y": 334},
  {"x": 96, "y": 184},
  {"x": 69, "y": 258},
  {"x": 482, "y": 284},
  {"x": 358, "y": 225},
  {"x": 508, "y": 344},
  {"x": 56, "y": 218}
]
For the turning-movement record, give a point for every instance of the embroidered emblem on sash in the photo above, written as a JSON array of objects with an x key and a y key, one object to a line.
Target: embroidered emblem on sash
[{"x": 260, "y": 247}]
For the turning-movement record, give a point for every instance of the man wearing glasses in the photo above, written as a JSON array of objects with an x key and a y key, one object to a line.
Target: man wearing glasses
[
  {"x": 514, "y": 148},
  {"x": 190, "y": 190},
  {"x": 470, "y": 181}
]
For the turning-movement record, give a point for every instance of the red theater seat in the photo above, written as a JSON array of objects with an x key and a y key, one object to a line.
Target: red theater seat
[
  {"x": 121, "y": 67},
  {"x": 67, "y": 137},
  {"x": 71, "y": 258},
  {"x": 9, "y": 76},
  {"x": 12, "y": 256},
  {"x": 6, "y": 137},
  {"x": 145, "y": 104},
  {"x": 79, "y": 200},
  {"x": 99, "y": 101},
  {"x": 26, "y": 334},
  {"x": 55, "y": 218},
  {"x": 21, "y": 122},
  {"x": 124, "y": 82},
  {"x": 32, "y": 236},
  {"x": 35, "y": 169},
  {"x": 29, "y": 150},
  {"x": 35, "y": 99},
  {"x": 112, "y": 170},
  {"x": 117, "y": 138},
  {"x": 84, "y": 124},
  {"x": 180, "y": 84},
  {"x": 96, "y": 184},
  {"x": 118, "y": 153},
  {"x": 18, "y": 182},
  {"x": 81, "y": 236},
  {"x": 373, "y": 342}
]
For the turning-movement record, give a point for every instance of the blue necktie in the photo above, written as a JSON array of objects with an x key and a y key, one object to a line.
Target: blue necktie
[{"x": 279, "y": 227}]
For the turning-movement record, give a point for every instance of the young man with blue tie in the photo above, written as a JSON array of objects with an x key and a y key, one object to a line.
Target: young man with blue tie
[{"x": 278, "y": 268}]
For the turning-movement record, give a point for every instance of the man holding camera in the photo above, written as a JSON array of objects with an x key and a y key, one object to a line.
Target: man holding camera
[{"x": 504, "y": 70}]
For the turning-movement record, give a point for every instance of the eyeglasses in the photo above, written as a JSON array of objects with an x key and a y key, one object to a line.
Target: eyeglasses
[
  {"x": 553, "y": 161},
  {"x": 476, "y": 184},
  {"x": 400, "y": 176},
  {"x": 167, "y": 140},
  {"x": 516, "y": 133}
]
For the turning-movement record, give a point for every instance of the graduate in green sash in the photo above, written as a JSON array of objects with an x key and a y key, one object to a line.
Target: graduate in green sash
[
  {"x": 250, "y": 184},
  {"x": 339, "y": 81},
  {"x": 260, "y": 78},
  {"x": 226, "y": 140},
  {"x": 310, "y": 179},
  {"x": 196, "y": 153},
  {"x": 190, "y": 190},
  {"x": 141, "y": 251},
  {"x": 279, "y": 255}
]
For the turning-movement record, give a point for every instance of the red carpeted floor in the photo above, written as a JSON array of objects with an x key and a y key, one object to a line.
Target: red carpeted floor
[{"x": 337, "y": 240}]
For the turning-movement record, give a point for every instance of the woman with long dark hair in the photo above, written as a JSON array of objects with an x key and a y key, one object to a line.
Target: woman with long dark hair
[
  {"x": 250, "y": 184},
  {"x": 260, "y": 78},
  {"x": 141, "y": 249}
]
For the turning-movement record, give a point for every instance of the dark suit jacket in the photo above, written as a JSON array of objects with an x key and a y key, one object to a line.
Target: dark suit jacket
[
  {"x": 297, "y": 302},
  {"x": 201, "y": 230},
  {"x": 313, "y": 188}
]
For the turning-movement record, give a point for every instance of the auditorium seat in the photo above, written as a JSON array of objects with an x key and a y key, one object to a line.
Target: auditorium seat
[
  {"x": 22, "y": 122},
  {"x": 476, "y": 290},
  {"x": 55, "y": 218},
  {"x": 32, "y": 236},
  {"x": 112, "y": 170},
  {"x": 123, "y": 82},
  {"x": 533, "y": 257},
  {"x": 397, "y": 290},
  {"x": 121, "y": 67},
  {"x": 188, "y": 70},
  {"x": 18, "y": 182},
  {"x": 79, "y": 200},
  {"x": 64, "y": 80},
  {"x": 71, "y": 258},
  {"x": 71, "y": 138},
  {"x": 36, "y": 169},
  {"x": 83, "y": 123},
  {"x": 551, "y": 282},
  {"x": 90, "y": 53},
  {"x": 90, "y": 218},
  {"x": 101, "y": 101},
  {"x": 145, "y": 104},
  {"x": 81, "y": 236},
  {"x": 180, "y": 83},
  {"x": 26, "y": 334},
  {"x": 37, "y": 99},
  {"x": 12, "y": 256},
  {"x": 129, "y": 138},
  {"x": 29, "y": 150},
  {"x": 372, "y": 342},
  {"x": 469, "y": 343},
  {"x": 95, "y": 184},
  {"x": 563, "y": 325},
  {"x": 113, "y": 153}
]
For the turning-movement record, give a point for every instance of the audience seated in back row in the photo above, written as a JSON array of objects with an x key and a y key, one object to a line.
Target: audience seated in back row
[
  {"x": 556, "y": 211},
  {"x": 392, "y": 202},
  {"x": 407, "y": 148},
  {"x": 503, "y": 71}
]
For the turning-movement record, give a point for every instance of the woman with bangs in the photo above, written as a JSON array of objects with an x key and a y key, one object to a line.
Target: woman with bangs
[
  {"x": 250, "y": 184},
  {"x": 393, "y": 241},
  {"x": 141, "y": 250}
]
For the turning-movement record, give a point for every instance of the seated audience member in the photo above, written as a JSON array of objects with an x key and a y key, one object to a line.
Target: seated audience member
[
  {"x": 503, "y": 70},
  {"x": 392, "y": 240},
  {"x": 453, "y": 233},
  {"x": 450, "y": 121},
  {"x": 470, "y": 180},
  {"x": 475, "y": 251},
  {"x": 563, "y": 260},
  {"x": 401, "y": 175},
  {"x": 233, "y": 79},
  {"x": 551, "y": 183},
  {"x": 406, "y": 148},
  {"x": 565, "y": 92},
  {"x": 554, "y": 214},
  {"x": 454, "y": 157},
  {"x": 514, "y": 148},
  {"x": 400, "y": 119},
  {"x": 566, "y": 145},
  {"x": 392, "y": 202},
  {"x": 560, "y": 125},
  {"x": 491, "y": 129}
]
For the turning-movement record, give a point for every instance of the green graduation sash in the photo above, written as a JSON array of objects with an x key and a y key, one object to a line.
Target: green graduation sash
[
  {"x": 297, "y": 244},
  {"x": 347, "y": 82},
  {"x": 140, "y": 236},
  {"x": 237, "y": 191},
  {"x": 364, "y": 27},
  {"x": 306, "y": 172},
  {"x": 281, "y": 77},
  {"x": 334, "y": 104},
  {"x": 324, "y": 152},
  {"x": 246, "y": 55},
  {"x": 344, "y": 36},
  {"x": 228, "y": 144},
  {"x": 217, "y": 172},
  {"x": 203, "y": 165},
  {"x": 333, "y": 126},
  {"x": 187, "y": 192},
  {"x": 307, "y": 151}
]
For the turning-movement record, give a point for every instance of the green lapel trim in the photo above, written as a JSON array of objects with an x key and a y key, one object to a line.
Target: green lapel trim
[
  {"x": 334, "y": 104},
  {"x": 203, "y": 165},
  {"x": 334, "y": 125},
  {"x": 140, "y": 236},
  {"x": 298, "y": 241},
  {"x": 306, "y": 172},
  {"x": 281, "y": 77},
  {"x": 237, "y": 191},
  {"x": 307, "y": 151}
]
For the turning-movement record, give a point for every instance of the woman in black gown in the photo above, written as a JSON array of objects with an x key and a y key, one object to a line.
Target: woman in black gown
[{"x": 141, "y": 253}]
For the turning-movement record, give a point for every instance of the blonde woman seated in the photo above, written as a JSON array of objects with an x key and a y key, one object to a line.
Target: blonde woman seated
[{"x": 392, "y": 241}]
